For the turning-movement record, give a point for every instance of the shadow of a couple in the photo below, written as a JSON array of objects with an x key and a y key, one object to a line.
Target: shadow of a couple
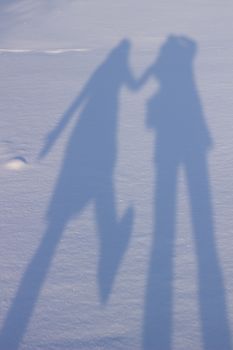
[{"x": 87, "y": 175}]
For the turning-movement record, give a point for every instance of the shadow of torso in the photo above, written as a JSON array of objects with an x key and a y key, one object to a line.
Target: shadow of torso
[{"x": 176, "y": 114}]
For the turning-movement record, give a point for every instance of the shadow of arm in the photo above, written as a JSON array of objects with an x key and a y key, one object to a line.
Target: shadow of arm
[
  {"x": 136, "y": 84},
  {"x": 53, "y": 135}
]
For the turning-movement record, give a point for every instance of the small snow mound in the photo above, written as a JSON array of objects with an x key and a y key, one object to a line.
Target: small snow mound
[{"x": 16, "y": 163}]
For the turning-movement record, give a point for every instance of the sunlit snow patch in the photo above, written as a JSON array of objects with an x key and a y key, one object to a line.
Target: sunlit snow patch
[{"x": 17, "y": 163}]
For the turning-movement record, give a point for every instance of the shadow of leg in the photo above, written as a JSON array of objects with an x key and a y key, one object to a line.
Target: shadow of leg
[
  {"x": 114, "y": 239},
  {"x": 158, "y": 304},
  {"x": 213, "y": 309},
  {"x": 30, "y": 286}
]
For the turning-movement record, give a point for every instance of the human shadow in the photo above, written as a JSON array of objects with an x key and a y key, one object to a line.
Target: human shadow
[
  {"x": 182, "y": 140},
  {"x": 86, "y": 175}
]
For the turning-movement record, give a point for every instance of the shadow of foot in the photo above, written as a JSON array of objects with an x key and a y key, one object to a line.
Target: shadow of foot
[{"x": 112, "y": 252}]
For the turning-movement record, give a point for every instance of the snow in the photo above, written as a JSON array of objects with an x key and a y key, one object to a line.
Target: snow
[{"x": 116, "y": 198}]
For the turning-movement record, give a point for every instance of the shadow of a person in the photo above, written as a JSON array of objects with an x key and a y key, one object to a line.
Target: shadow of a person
[
  {"x": 182, "y": 139},
  {"x": 86, "y": 175}
]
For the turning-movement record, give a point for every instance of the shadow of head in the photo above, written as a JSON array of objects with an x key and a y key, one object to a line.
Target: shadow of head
[{"x": 176, "y": 55}]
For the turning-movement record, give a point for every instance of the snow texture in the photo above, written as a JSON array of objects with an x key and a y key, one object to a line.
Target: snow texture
[{"x": 116, "y": 175}]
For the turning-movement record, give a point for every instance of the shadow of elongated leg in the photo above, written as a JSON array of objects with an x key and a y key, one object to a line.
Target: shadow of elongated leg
[
  {"x": 213, "y": 309},
  {"x": 114, "y": 239},
  {"x": 158, "y": 304},
  {"x": 21, "y": 310}
]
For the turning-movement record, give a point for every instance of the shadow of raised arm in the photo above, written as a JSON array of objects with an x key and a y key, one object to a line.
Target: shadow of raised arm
[{"x": 53, "y": 135}]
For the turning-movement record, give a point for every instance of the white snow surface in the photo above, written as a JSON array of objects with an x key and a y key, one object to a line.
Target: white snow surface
[{"x": 116, "y": 197}]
